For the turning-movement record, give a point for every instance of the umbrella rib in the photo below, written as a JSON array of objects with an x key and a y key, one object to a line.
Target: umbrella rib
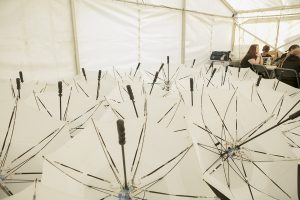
[
  {"x": 291, "y": 140},
  {"x": 114, "y": 110},
  {"x": 110, "y": 161},
  {"x": 75, "y": 85},
  {"x": 166, "y": 113},
  {"x": 11, "y": 136},
  {"x": 173, "y": 116},
  {"x": 153, "y": 75},
  {"x": 227, "y": 179},
  {"x": 208, "y": 131},
  {"x": 86, "y": 112},
  {"x": 289, "y": 111},
  {"x": 36, "y": 101},
  {"x": 137, "y": 148},
  {"x": 16, "y": 181},
  {"x": 166, "y": 163},
  {"x": 246, "y": 178},
  {"x": 178, "y": 195},
  {"x": 140, "y": 154},
  {"x": 76, "y": 170},
  {"x": 220, "y": 117},
  {"x": 82, "y": 89},
  {"x": 12, "y": 89},
  {"x": 14, "y": 169},
  {"x": 68, "y": 103},
  {"x": 173, "y": 76},
  {"x": 77, "y": 180},
  {"x": 21, "y": 155},
  {"x": 44, "y": 106},
  {"x": 269, "y": 154},
  {"x": 270, "y": 179},
  {"x": 5, "y": 190},
  {"x": 261, "y": 101},
  {"x": 9, "y": 125},
  {"x": 256, "y": 128},
  {"x": 162, "y": 177},
  {"x": 207, "y": 148},
  {"x": 277, "y": 104}
]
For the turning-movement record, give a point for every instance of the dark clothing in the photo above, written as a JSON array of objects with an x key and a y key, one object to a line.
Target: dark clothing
[
  {"x": 268, "y": 55},
  {"x": 292, "y": 62},
  {"x": 245, "y": 63}
]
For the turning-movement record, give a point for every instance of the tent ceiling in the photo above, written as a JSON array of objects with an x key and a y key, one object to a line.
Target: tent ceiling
[{"x": 241, "y": 5}]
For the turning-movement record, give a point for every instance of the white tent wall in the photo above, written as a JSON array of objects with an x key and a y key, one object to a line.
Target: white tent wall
[
  {"x": 36, "y": 37},
  {"x": 149, "y": 32},
  {"x": 107, "y": 34},
  {"x": 160, "y": 37}
]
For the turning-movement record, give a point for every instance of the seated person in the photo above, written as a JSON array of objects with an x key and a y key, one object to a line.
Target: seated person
[
  {"x": 291, "y": 48},
  {"x": 252, "y": 57},
  {"x": 292, "y": 61},
  {"x": 265, "y": 54}
]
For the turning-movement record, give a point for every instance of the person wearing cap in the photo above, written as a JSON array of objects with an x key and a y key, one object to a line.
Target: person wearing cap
[
  {"x": 267, "y": 58},
  {"x": 291, "y": 61},
  {"x": 278, "y": 61}
]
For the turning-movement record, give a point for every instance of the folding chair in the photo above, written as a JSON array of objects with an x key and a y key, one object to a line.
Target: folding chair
[
  {"x": 262, "y": 70},
  {"x": 289, "y": 76}
]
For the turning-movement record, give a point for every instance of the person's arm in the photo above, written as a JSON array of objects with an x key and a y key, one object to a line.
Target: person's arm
[{"x": 256, "y": 61}]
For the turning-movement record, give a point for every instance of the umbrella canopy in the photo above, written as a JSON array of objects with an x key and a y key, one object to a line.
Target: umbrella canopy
[
  {"x": 159, "y": 164},
  {"x": 26, "y": 136},
  {"x": 38, "y": 191},
  {"x": 234, "y": 156}
]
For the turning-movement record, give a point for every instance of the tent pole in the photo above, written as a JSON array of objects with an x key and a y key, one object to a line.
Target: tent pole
[
  {"x": 298, "y": 38},
  {"x": 75, "y": 40},
  {"x": 256, "y": 36},
  {"x": 278, "y": 8},
  {"x": 233, "y": 35},
  {"x": 183, "y": 31},
  {"x": 277, "y": 34},
  {"x": 229, "y": 7}
]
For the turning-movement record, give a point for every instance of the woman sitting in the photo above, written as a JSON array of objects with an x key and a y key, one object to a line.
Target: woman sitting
[
  {"x": 292, "y": 61},
  {"x": 252, "y": 57}
]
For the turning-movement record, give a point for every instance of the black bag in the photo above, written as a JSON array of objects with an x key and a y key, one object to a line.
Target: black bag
[{"x": 220, "y": 55}]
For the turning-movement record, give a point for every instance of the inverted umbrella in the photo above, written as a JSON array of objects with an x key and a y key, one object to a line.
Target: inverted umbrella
[
  {"x": 156, "y": 163},
  {"x": 240, "y": 151},
  {"x": 26, "y": 135}
]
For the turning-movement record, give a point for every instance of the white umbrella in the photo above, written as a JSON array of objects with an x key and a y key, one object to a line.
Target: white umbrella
[
  {"x": 236, "y": 156},
  {"x": 38, "y": 191},
  {"x": 26, "y": 135},
  {"x": 158, "y": 163}
]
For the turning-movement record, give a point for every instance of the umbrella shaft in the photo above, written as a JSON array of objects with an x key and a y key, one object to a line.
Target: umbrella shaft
[
  {"x": 60, "y": 109},
  {"x": 124, "y": 167}
]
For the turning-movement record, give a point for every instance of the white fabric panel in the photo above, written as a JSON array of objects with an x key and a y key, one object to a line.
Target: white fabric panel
[
  {"x": 36, "y": 37},
  {"x": 266, "y": 31},
  {"x": 205, "y": 34},
  {"x": 107, "y": 34},
  {"x": 160, "y": 36},
  {"x": 168, "y": 3},
  {"x": 222, "y": 34},
  {"x": 198, "y": 37},
  {"x": 288, "y": 32},
  {"x": 212, "y": 7},
  {"x": 257, "y": 4}
]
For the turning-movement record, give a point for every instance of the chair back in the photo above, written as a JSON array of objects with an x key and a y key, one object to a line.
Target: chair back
[
  {"x": 261, "y": 70},
  {"x": 283, "y": 73}
]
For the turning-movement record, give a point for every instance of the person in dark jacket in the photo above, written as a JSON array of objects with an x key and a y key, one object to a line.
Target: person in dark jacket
[
  {"x": 292, "y": 61},
  {"x": 252, "y": 57},
  {"x": 278, "y": 61}
]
